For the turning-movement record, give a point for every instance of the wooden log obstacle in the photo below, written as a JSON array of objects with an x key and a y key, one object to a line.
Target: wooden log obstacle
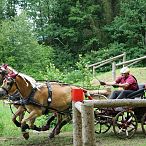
[
  {"x": 83, "y": 120},
  {"x": 83, "y": 116}
]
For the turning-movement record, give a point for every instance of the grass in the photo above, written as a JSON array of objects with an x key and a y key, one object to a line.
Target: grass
[{"x": 8, "y": 127}]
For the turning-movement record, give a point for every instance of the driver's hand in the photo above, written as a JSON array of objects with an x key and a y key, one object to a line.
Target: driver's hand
[
  {"x": 102, "y": 83},
  {"x": 115, "y": 86}
]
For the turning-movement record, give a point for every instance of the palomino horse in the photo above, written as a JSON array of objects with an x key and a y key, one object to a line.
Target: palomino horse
[
  {"x": 35, "y": 98},
  {"x": 62, "y": 118},
  {"x": 5, "y": 71}
]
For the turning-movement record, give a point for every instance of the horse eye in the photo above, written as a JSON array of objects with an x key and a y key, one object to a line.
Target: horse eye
[{"x": 8, "y": 83}]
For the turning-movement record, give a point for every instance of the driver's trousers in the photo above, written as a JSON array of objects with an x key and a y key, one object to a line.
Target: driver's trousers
[{"x": 120, "y": 94}]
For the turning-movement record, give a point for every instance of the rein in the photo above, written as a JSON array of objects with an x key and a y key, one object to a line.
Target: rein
[
  {"x": 12, "y": 110},
  {"x": 5, "y": 90}
]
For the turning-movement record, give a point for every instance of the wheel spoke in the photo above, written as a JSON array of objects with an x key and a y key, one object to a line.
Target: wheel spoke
[
  {"x": 143, "y": 123},
  {"x": 125, "y": 124},
  {"x": 102, "y": 126},
  {"x": 127, "y": 133}
]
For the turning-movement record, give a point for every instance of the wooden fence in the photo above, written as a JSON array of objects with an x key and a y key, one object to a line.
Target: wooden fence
[
  {"x": 83, "y": 118},
  {"x": 107, "y": 61},
  {"x": 114, "y": 65}
]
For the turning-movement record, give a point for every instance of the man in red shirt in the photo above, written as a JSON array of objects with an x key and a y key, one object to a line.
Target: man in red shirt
[{"x": 126, "y": 81}]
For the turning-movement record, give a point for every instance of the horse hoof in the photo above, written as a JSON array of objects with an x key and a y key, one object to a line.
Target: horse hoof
[
  {"x": 51, "y": 136},
  {"x": 26, "y": 135}
]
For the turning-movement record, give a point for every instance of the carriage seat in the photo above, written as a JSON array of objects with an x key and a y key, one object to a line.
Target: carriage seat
[{"x": 139, "y": 93}]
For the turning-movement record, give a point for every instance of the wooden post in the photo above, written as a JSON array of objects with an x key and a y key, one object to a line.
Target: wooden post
[
  {"x": 77, "y": 126},
  {"x": 93, "y": 71},
  {"x": 114, "y": 71},
  {"x": 124, "y": 58},
  {"x": 88, "y": 130}
]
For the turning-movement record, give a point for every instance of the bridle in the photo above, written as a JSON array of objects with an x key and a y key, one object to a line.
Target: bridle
[{"x": 10, "y": 84}]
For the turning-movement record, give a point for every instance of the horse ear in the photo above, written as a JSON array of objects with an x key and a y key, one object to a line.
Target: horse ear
[{"x": 4, "y": 66}]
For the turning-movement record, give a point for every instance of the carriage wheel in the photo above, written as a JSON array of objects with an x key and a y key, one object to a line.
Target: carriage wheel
[
  {"x": 102, "y": 124},
  {"x": 143, "y": 123},
  {"x": 125, "y": 124},
  {"x": 102, "y": 121}
]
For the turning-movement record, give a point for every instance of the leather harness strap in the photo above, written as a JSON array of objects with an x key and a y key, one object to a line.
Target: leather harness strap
[{"x": 49, "y": 92}]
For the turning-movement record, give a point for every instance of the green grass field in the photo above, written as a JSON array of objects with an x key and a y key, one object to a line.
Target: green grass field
[{"x": 11, "y": 135}]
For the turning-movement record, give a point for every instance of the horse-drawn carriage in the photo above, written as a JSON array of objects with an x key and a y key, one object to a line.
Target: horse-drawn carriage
[{"x": 123, "y": 119}]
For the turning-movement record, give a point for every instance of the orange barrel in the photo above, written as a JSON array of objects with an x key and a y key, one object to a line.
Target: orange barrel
[{"x": 77, "y": 95}]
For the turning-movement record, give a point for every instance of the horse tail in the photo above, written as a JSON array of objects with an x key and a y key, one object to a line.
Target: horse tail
[{"x": 87, "y": 94}]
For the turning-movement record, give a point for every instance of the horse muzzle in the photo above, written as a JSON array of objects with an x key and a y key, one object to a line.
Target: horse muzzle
[{"x": 3, "y": 92}]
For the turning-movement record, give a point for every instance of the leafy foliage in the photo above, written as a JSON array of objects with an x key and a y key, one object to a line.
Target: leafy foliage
[
  {"x": 19, "y": 46},
  {"x": 129, "y": 28},
  {"x": 58, "y": 32}
]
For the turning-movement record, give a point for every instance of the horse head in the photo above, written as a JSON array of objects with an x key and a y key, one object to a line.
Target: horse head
[
  {"x": 13, "y": 83},
  {"x": 8, "y": 87},
  {"x": 5, "y": 71}
]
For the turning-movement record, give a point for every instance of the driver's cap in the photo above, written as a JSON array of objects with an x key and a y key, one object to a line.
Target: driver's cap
[{"x": 124, "y": 70}]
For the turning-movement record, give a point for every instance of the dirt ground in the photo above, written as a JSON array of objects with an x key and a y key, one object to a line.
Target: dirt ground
[
  {"x": 66, "y": 139},
  {"x": 39, "y": 139}
]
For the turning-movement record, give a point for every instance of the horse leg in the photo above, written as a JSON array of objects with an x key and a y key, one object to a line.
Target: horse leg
[
  {"x": 32, "y": 126},
  {"x": 59, "y": 119},
  {"x": 31, "y": 118},
  {"x": 61, "y": 124},
  {"x": 43, "y": 128},
  {"x": 21, "y": 116},
  {"x": 19, "y": 111},
  {"x": 47, "y": 126}
]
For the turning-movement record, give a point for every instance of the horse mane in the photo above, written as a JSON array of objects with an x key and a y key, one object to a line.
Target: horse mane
[{"x": 29, "y": 79}]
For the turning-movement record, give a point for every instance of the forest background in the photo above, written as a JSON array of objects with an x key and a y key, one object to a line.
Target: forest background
[{"x": 56, "y": 39}]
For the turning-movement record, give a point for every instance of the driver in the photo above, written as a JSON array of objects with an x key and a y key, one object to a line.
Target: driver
[{"x": 126, "y": 81}]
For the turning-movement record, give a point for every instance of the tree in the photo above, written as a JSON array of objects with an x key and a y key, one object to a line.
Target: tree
[
  {"x": 129, "y": 28},
  {"x": 19, "y": 46}
]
